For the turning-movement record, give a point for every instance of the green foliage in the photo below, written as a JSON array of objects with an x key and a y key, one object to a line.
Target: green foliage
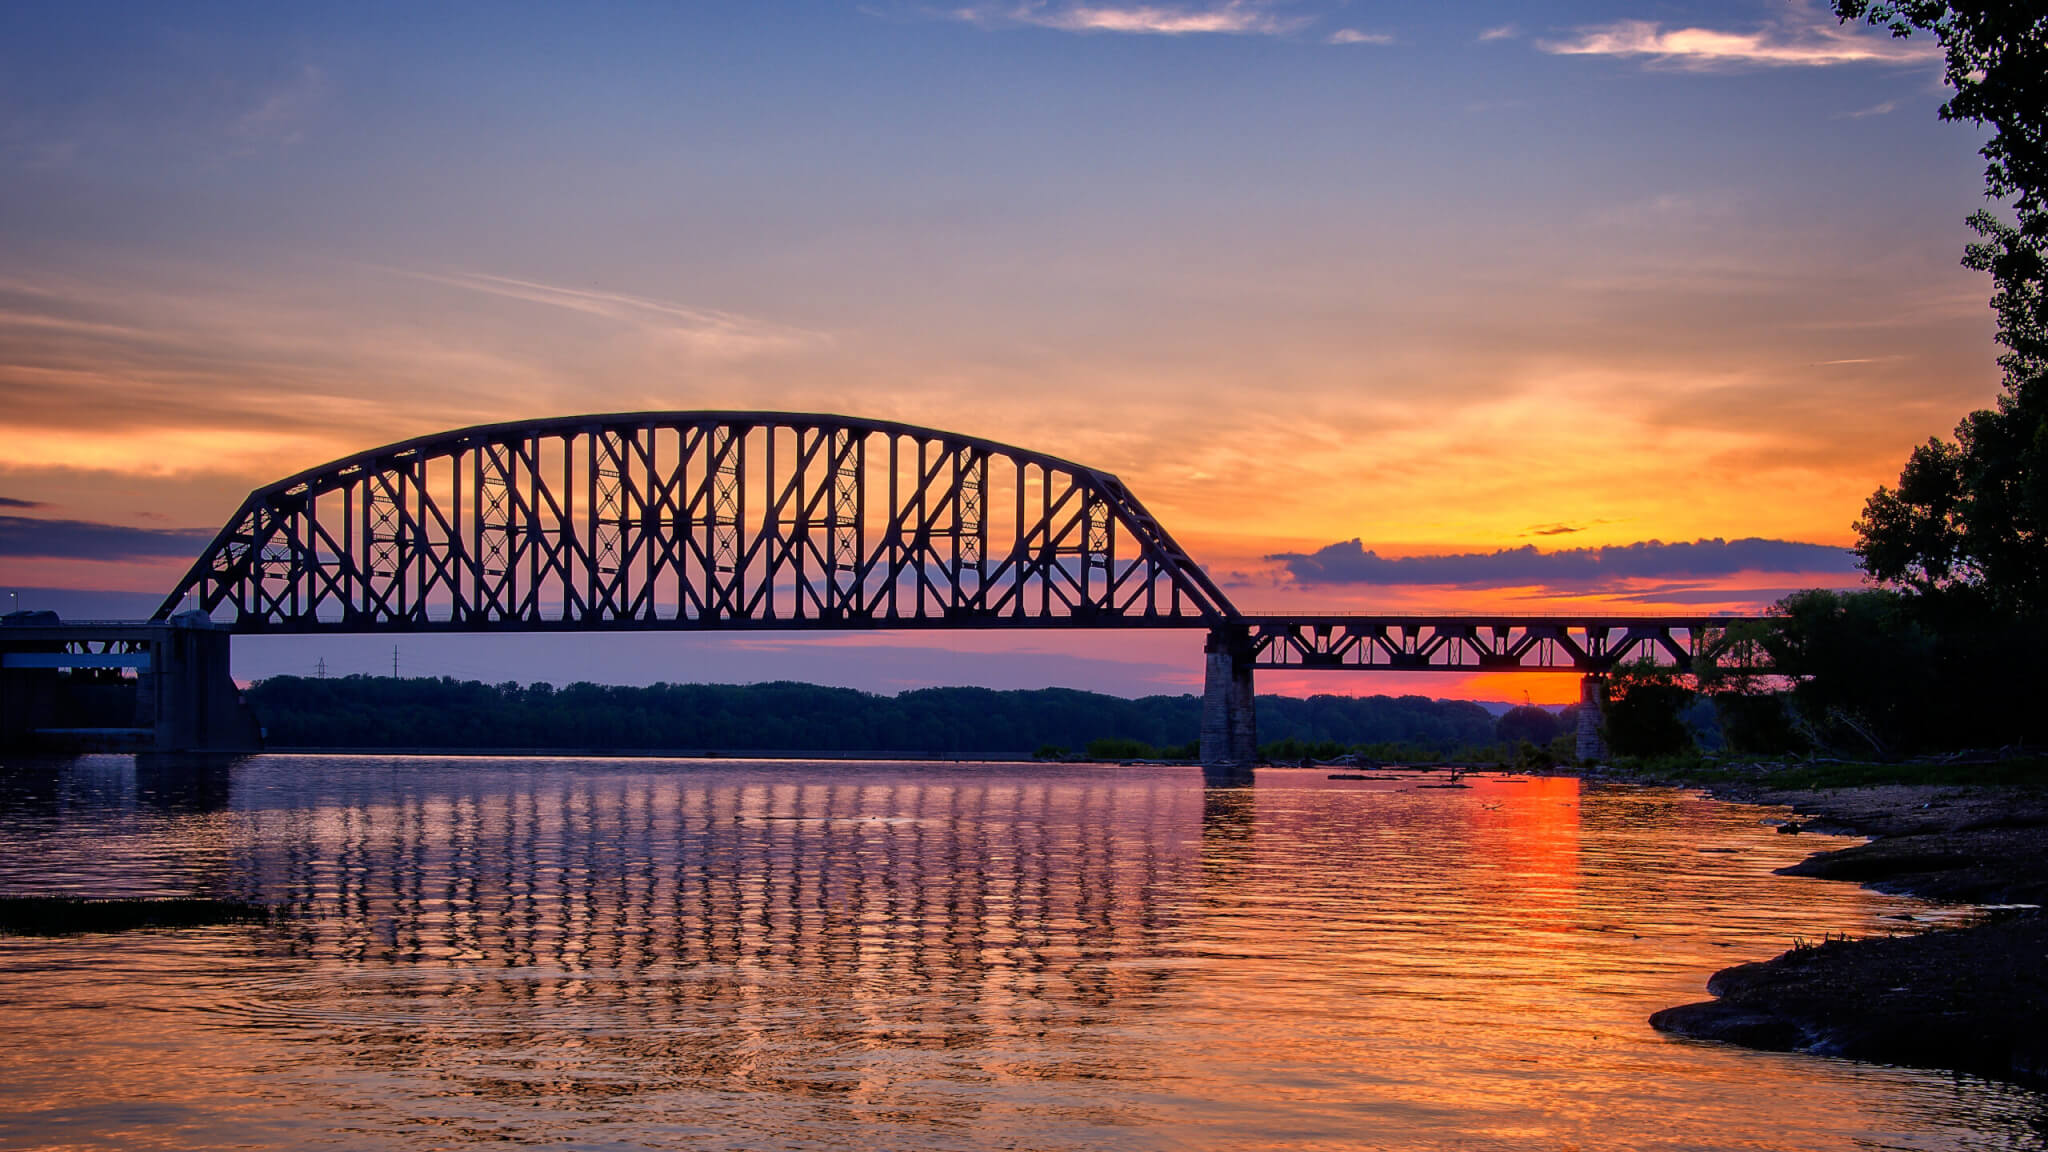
[
  {"x": 1760, "y": 723},
  {"x": 1117, "y": 748},
  {"x": 1644, "y": 711},
  {"x": 1862, "y": 662},
  {"x": 1879, "y": 672},
  {"x": 1051, "y": 752},
  {"x": 2026, "y": 772},
  {"x": 1293, "y": 751},
  {"x": 1970, "y": 516},
  {"x": 2030, "y": 772},
  {"x": 1527, "y": 724},
  {"x": 1439, "y": 725}
]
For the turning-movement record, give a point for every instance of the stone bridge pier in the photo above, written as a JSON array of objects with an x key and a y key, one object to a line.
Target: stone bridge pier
[
  {"x": 1230, "y": 729},
  {"x": 1592, "y": 710}
]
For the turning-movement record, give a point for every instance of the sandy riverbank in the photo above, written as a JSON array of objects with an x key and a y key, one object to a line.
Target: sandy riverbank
[{"x": 1973, "y": 998}]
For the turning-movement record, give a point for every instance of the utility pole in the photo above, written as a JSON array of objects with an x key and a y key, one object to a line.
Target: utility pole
[{"x": 394, "y": 661}]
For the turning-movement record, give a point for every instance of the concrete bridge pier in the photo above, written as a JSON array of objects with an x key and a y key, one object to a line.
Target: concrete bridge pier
[
  {"x": 1592, "y": 708},
  {"x": 66, "y": 687},
  {"x": 187, "y": 695},
  {"x": 1230, "y": 729}
]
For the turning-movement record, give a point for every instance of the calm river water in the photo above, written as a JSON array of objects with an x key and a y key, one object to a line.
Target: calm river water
[{"x": 690, "y": 954}]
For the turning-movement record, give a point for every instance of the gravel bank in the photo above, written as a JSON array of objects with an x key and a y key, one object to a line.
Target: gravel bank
[{"x": 1971, "y": 999}]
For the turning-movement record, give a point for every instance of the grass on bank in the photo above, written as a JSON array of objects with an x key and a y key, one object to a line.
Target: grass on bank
[{"x": 1694, "y": 770}]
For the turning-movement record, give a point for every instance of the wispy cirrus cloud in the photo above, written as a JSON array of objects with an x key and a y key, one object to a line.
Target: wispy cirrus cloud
[
  {"x": 1231, "y": 17},
  {"x": 278, "y": 112},
  {"x": 707, "y": 331},
  {"x": 1350, "y": 562},
  {"x": 1354, "y": 36},
  {"x": 1804, "y": 40},
  {"x": 1499, "y": 32}
]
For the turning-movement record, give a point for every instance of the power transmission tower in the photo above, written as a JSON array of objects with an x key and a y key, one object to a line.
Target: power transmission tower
[{"x": 321, "y": 668}]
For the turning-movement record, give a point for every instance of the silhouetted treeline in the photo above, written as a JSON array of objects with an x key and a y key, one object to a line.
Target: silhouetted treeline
[
  {"x": 381, "y": 712},
  {"x": 1879, "y": 672}
]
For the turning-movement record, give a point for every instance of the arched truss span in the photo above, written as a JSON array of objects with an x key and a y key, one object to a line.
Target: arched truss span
[{"x": 696, "y": 520}]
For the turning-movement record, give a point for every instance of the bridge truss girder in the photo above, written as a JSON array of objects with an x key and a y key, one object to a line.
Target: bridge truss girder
[
  {"x": 696, "y": 521},
  {"x": 1586, "y": 645}
]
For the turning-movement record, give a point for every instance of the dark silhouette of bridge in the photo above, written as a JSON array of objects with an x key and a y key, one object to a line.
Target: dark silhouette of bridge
[{"x": 723, "y": 521}]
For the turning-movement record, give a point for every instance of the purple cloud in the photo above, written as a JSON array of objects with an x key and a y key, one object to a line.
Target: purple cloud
[
  {"x": 88, "y": 540},
  {"x": 1350, "y": 562}
]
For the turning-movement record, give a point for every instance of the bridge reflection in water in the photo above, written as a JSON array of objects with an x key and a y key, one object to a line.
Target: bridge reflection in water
[
  {"x": 913, "y": 956},
  {"x": 670, "y": 933},
  {"x": 627, "y": 871}
]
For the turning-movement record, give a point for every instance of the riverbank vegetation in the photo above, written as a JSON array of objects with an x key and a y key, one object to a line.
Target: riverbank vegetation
[{"x": 1740, "y": 774}]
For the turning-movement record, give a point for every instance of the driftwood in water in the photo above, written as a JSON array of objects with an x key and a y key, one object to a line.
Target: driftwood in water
[{"x": 69, "y": 915}]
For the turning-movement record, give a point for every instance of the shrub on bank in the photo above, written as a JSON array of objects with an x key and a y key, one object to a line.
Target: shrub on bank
[{"x": 1644, "y": 714}]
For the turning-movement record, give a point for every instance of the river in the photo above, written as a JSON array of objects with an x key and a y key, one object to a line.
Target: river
[{"x": 742, "y": 955}]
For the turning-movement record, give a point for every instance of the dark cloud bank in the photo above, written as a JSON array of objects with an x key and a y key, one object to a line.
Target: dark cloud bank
[
  {"x": 1350, "y": 562},
  {"x": 88, "y": 540}
]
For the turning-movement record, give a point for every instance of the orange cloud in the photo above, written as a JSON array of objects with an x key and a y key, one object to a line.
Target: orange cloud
[{"x": 1813, "y": 42}]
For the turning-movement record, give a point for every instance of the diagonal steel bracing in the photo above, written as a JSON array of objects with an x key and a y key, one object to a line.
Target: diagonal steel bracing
[
  {"x": 1584, "y": 644},
  {"x": 696, "y": 520}
]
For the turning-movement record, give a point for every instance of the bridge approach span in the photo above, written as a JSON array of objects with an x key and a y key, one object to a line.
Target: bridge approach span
[{"x": 1583, "y": 644}]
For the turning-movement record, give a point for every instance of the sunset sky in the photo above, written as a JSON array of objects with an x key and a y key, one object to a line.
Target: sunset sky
[{"x": 1375, "y": 305}]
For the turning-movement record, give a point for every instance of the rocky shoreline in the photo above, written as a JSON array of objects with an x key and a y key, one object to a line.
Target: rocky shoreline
[{"x": 1970, "y": 999}]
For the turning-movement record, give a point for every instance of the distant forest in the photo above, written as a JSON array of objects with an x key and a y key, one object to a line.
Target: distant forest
[{"x": 382, "y": 712}]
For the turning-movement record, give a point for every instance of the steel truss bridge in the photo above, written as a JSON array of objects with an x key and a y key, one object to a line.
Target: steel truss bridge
[{"x": 718, "y": 521}]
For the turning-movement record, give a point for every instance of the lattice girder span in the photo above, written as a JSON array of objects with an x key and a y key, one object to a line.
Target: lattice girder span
[{"x": 696, "y": 521}]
